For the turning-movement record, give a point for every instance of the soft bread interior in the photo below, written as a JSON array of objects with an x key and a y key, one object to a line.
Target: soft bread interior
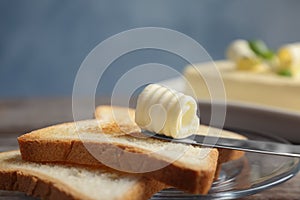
[{"x": 77, "y": 182}]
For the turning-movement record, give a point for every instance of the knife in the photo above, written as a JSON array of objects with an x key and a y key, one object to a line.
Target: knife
[{"x": 256, "y": 146}]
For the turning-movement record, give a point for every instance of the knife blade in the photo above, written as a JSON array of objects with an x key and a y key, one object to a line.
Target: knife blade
[{"x": 256, "y": 146}]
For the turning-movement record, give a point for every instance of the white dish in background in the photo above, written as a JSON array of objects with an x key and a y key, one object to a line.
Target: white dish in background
[{"x": 250, "y": 117}]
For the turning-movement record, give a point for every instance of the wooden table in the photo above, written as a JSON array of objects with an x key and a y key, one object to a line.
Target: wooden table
[{"x": 19, "y": 116}]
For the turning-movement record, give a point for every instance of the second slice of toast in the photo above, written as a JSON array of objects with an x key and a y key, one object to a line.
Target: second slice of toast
[{"x": 117, "y": 117}]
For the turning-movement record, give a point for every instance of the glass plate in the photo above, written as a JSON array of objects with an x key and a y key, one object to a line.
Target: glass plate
[{"x": 246, "y": 176}]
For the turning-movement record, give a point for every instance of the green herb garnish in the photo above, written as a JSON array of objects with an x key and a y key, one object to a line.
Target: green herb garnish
[
  {"x": 261, "y": 49},
  {"x": 285, "y": 72}
]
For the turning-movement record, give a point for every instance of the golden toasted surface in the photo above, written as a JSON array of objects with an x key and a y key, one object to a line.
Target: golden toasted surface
[{"x": 117, "y": 117}]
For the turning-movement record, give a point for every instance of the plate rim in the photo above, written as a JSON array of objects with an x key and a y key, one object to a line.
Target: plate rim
[{"x": 233, "y": 194}]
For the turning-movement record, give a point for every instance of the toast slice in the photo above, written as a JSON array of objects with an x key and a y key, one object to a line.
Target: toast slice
[
  {"x": 117, "y": 117},
  {"x": 183, "y": 166},
  {"x": 52, "y": 181}
]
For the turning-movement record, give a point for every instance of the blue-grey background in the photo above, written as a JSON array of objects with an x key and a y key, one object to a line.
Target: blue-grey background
[{"x": 43, "y": 42}]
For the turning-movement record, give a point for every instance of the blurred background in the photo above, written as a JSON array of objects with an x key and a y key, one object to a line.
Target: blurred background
[{"x": 42, "y": 43}]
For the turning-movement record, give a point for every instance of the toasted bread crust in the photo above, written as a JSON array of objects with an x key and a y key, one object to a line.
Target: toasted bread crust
[
  {"x": 45, "y": 187},
  {"x": 75, "y": 152},
  {"x": 145, "y": 189},
  {"x": 202, "y": 183},
  {"x": 37, "y": 185}
]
